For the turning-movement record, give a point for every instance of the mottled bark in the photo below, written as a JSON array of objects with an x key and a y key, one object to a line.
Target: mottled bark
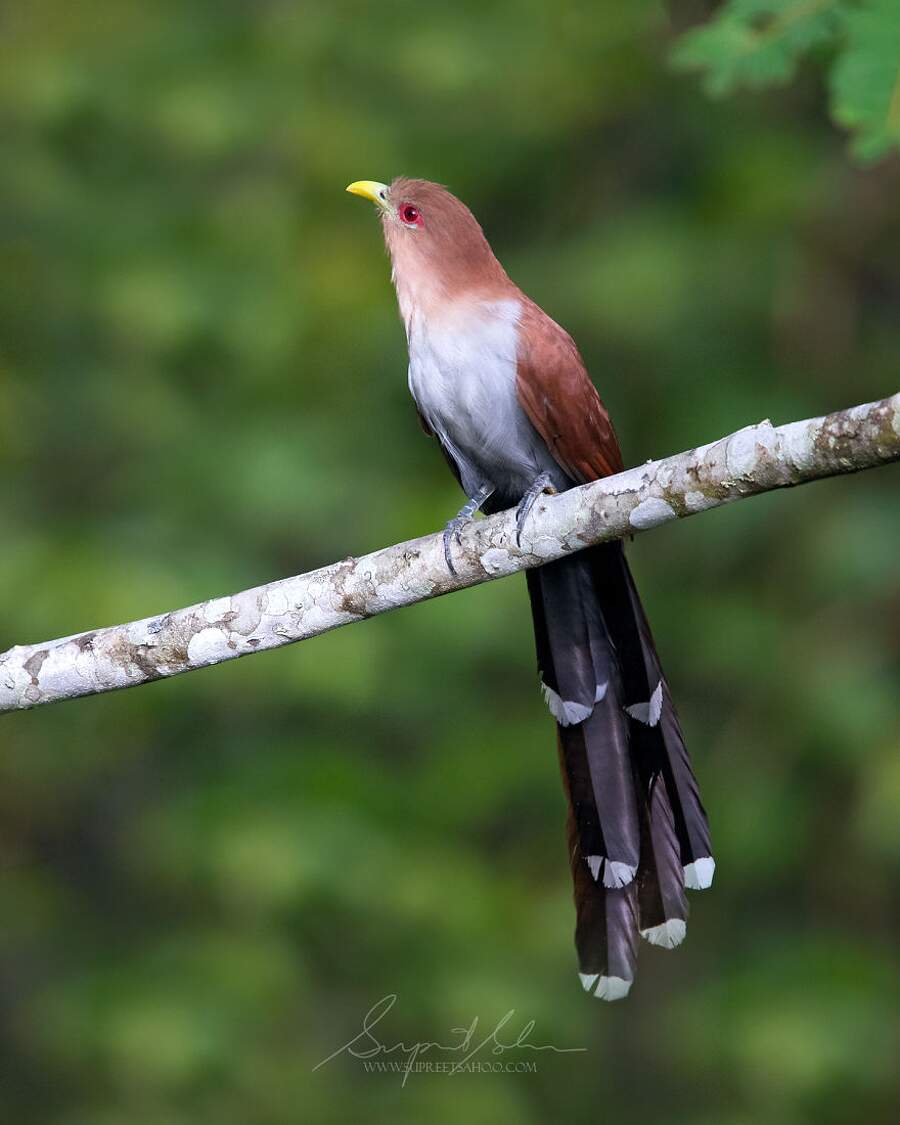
[{"x": 756, "y": 459}]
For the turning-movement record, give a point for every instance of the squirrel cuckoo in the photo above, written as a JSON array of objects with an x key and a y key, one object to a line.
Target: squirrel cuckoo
[{"x": 505, "y": 392}]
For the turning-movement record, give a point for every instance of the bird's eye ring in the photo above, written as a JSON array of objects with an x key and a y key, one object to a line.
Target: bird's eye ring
[{"x": 410, "y": 214}]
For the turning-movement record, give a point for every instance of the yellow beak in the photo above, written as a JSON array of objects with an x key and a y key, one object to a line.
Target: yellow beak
[{"x": 371, "y": 189}]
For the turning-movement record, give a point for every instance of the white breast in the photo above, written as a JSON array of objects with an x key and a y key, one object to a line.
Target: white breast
[{"x": 462, "y": 374}]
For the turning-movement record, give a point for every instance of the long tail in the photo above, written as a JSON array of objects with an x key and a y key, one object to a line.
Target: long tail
[{"x": 637, "y": 831}]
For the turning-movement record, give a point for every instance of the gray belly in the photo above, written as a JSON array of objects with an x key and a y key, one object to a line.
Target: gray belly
[{"x": 464, "y": 384}]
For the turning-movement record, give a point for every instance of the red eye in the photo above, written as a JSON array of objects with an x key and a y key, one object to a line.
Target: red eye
[{"x": 409, "y": 214}]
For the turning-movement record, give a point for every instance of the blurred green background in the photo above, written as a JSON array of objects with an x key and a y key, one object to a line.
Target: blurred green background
[{"x": 204, "y": 884}]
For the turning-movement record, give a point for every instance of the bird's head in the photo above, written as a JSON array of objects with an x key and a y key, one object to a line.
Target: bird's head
[{"x": 438, "y": 250}]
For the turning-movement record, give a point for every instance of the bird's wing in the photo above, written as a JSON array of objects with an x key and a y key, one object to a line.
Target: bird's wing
[{"x": 556, "y": 392}]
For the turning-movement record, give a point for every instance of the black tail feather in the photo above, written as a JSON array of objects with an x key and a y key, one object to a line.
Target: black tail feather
[
  {"x": 662, "y": 904},
  {"x": 689, "y": 814},
  {"x": 635, "y": 808},
  {"x": 586, "y": 698},
  {"x": 606, "y": 923}
]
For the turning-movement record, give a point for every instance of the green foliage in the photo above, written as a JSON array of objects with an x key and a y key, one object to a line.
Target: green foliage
[
  {"x": 205, "y": 883},
  {"x": 758, "y": 43},
  {"x": 865, "y": 80}
]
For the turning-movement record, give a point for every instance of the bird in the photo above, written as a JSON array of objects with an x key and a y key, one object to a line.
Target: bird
[{"x": 506, "y": 394}]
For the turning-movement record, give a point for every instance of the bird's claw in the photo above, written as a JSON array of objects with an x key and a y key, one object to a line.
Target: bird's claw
[
  {"x": 462, "y": 519},
  {"x": 452, "y": 531},
  {"x": 540, "y": 485}
]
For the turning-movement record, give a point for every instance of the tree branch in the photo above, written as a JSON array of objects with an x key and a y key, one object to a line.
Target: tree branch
[{"x": 755, "y": 459}]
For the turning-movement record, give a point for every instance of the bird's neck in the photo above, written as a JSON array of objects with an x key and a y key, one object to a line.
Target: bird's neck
[
  {"x": 462, "y": 315},
  {"x": 428, "y": 304},
  {"x": 434, "y": 286},
  {"x": 420, "y": 296}
]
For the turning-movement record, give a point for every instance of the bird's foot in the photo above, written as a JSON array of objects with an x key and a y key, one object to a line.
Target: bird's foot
[
  {"x": 540, "y": 485},
  {"x": 462, "y": 519},
  {"x": 452, "y": 531}
]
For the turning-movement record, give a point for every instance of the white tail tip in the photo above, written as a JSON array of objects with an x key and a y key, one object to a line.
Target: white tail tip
[
  {"x": 565, "y": 711},
  {"x": 648, "y": 713},
  {"x": 607, "y": 988},
  {"x": 617, "y": 874},
  {"x": 667, "y": 935},
  {"x": 699, "y": 874}
]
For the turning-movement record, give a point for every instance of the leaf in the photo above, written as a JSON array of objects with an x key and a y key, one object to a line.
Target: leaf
[
  {"x": 865, "y": 81},
  {"x": 758, "y": 42}
]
